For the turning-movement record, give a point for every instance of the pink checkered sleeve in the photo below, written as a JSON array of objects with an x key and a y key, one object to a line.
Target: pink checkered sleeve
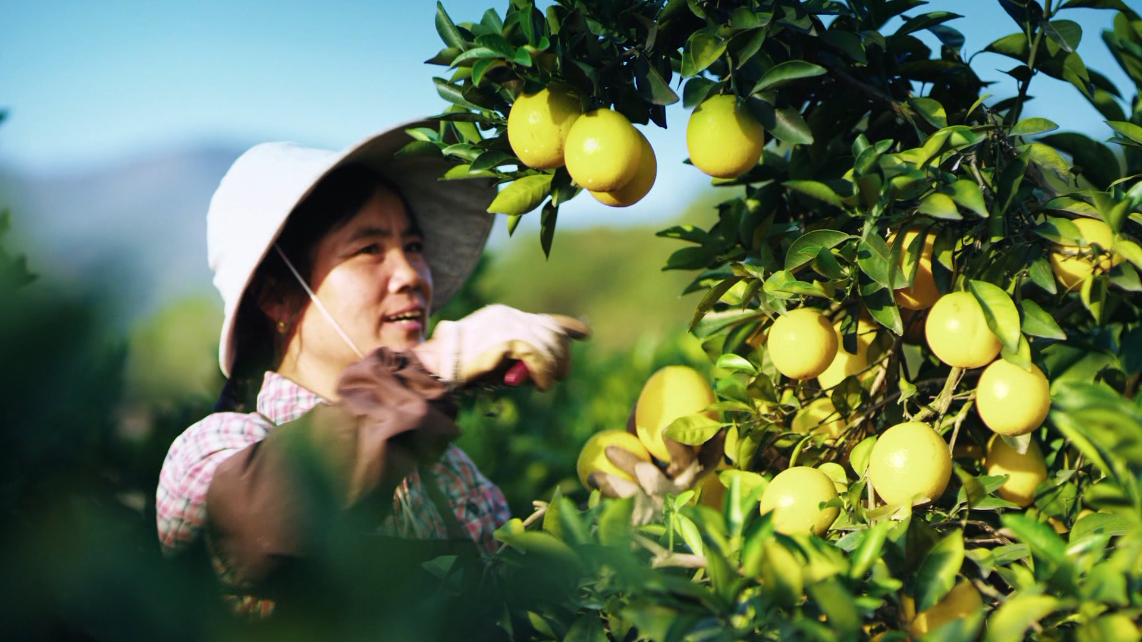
[
  {"x": 479, "y": 505},
  {"x": 180, "y": 500}
]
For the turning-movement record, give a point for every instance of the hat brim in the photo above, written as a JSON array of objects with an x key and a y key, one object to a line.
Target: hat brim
[{"x": 451, "y": 214}]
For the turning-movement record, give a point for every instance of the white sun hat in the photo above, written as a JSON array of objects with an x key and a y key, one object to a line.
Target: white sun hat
[{"x": 265, "y": 185}]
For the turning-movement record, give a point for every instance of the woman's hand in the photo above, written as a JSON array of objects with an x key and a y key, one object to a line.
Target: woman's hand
[
  {"x": 652, "y": 484},
  {"x": 485, "y": 343}
]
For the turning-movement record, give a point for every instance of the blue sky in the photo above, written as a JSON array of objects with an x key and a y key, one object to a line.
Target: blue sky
[{"x": 89, "y": 84}]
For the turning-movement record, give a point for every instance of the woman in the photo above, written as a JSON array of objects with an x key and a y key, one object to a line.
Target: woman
[{"x": 329, "y": 265}]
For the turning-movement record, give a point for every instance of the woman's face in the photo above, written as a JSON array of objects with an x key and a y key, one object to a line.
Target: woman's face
[{"x": 372, "y": 277}]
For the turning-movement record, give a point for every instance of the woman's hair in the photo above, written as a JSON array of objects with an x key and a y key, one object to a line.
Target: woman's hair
[{"x": 259, "y": 344}]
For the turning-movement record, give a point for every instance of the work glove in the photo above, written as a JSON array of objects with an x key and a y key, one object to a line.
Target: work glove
[
  {"x": 652, "y": 484},
  {"x": 484, "y": 345}
]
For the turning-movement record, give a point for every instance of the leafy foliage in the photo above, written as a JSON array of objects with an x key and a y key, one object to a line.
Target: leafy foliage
[{"x": 873, "y": 134}]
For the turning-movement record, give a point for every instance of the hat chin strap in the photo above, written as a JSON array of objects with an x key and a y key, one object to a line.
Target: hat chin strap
[{"x": 317, "y": 302}]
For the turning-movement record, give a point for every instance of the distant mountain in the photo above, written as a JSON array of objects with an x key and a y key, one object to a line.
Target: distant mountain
[
  {"x": 139, "y": 225},
  {"x": 138, "y": 230}
]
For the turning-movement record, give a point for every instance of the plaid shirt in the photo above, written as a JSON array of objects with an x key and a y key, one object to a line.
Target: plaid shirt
[{"x": 189, "y": 466}]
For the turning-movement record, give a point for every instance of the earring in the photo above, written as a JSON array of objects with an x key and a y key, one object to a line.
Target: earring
[{"x": 281, "y": 326}]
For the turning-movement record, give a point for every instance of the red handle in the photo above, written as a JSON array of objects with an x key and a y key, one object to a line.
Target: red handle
[{"x": 517, "y": 374}]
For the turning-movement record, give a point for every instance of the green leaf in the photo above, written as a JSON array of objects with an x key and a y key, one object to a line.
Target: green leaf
[
  {"x": 1000, "y": 312},
  {"x": 785, "y": 73},
  {"x": 1037, "y": 323},
  {"x": 838, "y": 605},
  {"x": 1099, "y": 524},
  {"x": 1130, "y": 251},
  {"x": 1032, "y": 126},
  {"x": 1047, "y": 549},
  {"x": 715, "y": 293},
  {"x": 731, "y": 361},
  {"x": 1013, "y": 46},
  {"x": 1059, "y": 230},
  {"x": 702, "y": 48},
  {"x": 807, "y": 246},
  {"x": 860, "y": 455},
  {"x": 448, "y": 31},
  {"x": 781, "y": 574},
  {"x": 873, "y": 256},
  {"x": 967, "y": 195},
  {"x": 615, "y": 522},
  {"x": 490, "y": 159},
  {"x": 786, "y": 124},
  {"x": 1021, "y": 356},
  {"x": 588, "y": 628},
  {"x": 940, "y": 206},
  {"x": 1067, "y": 34},
  {"x": 937, "y": 573},
  {"x": 1010, "y": 621},
  {"x": 925, "y": 21},
  {"x": 1130, "y": 131},
  {"x": 452, "y": 94},
  {"x": 816, "y": 190},
  {"x": 1093, "y": 295},
  {"x": 653, "y": 86},
  {"x": 522, "y": 195},
  {"x": 960, "y": 629},
  {"x": 1048, "y": 160},
  {"x": 1042, "y": 276},
  {"x": 696, "y": 90},
  {"x": 1093, "y": 160},
  {"x": 869, "y": 550},
  {"x": 1010, "y": 180},
  {"x": 931, "y": 110},
  {"x": 547, "y": 227}
]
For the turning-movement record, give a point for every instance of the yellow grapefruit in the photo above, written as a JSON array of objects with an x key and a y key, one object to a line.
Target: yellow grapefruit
[
  {"x": 957, "y": 332},
  {"x": 910, "y": 463},
  {"x": 795, "y": 496},
  {"x": 1011, "y": 400},
  {"x": 923, "y": 294},
  {"x": 802, "y": 344},
  {"x": 602, "y": 151},
  {"x": 538, "y": 125},
  {"x": 1067, "y": 261},
  {"x": 723, "y": 140},
  {"x": 670, "y": 393},
  {"x": 593, "y": 457},
  {"x": 639, "y": 186},
  {"x": 1024, "y": 472}
]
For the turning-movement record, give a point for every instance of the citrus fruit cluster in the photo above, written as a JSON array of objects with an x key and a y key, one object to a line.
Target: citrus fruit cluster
[
  {"x": 602, "y": 151},
  {"x": 606, "y": 155}
]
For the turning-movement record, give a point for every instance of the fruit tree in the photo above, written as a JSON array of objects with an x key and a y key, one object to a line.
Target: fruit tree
[{"x": 922, "y": 312}]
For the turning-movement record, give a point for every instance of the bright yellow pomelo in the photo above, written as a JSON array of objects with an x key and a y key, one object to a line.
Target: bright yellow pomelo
[
  {"x": 802, "y": 343},
  {"x": 593, "y": 457},
  {"x": 538, "y": 125},
  {"x": 910, "y": 463},
  {"x": 1024, "y": 472},
  {"x": 923, "y": 294},
  {"x": 1011, "y": 400},
  {"x": 724, "y": 141},
  {"x": 820, "y": 416},
  {"x": 1071, "y": 268},
  {"x": 639, "y": 186},
  {"x": 847, "y": 363},
  {"x": 963, "y": 600},
  {"x": 957, "y": 332},
  {"x": 602, "y": 151},
  {"x": 670, "y": 393},
  {"x": 795, "y": 496}
]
